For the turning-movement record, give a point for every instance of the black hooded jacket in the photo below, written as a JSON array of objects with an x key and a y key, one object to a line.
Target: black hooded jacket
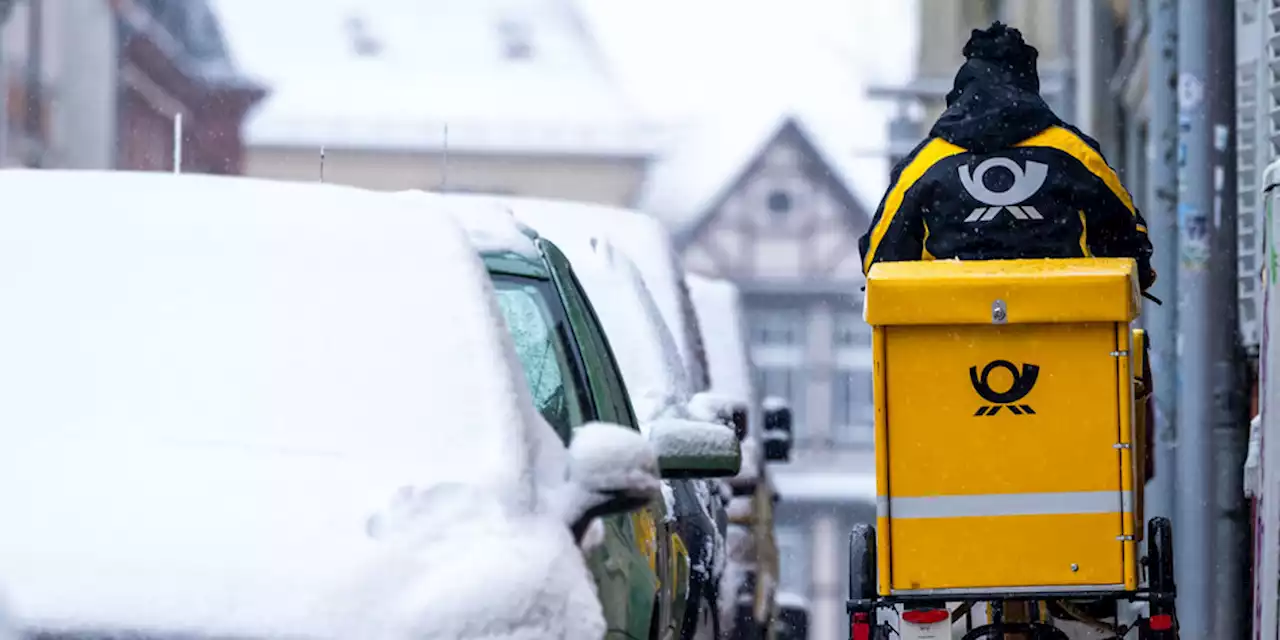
[{"x": 1001, "y": 176}]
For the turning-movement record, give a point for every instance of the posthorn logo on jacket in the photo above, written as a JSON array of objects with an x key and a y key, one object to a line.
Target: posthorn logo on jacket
[
  {"x": 1000, "y": 176},
  {"x": 1013, "y": 199}
]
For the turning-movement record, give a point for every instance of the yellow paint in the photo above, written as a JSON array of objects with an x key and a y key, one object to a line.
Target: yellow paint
[
  {"x": 936, "y": 150},
  {"x": 1084, "y": 237},
  {"x": 924, "y": 244},
  {"x": 939, "y": 447},
  {"x": 932, "y": 323},
  {"x": 1124, "y": 390},
  {"x": 950, "y": 292},
  {"x": 883, "y": 528},
  {"x": 1006, "y": 551},
  {"x": 1071, "y": 144},
  {"x": 646, "y": 530}
]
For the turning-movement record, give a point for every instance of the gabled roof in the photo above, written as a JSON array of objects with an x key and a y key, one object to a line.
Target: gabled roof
[
  {"x": 502, "y": 75},
  {"x": 191, "y": 37},
  {"x": 711, "y": 157}
]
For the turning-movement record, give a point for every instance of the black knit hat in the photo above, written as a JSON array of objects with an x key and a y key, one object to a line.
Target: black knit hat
[{"x": 997, "y": 54}]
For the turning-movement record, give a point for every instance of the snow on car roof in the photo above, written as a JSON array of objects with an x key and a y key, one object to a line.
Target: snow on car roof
[
  {"x": 262, "y": 272},
  {"x": 489, "y": 224},
  {"x": 641, "y": 237},
  {"x": 719, "y": 311},
  {"x": 392, "y": 73},
  {"x": 243, "y": 367},
  {"x": 719, "y": 315}
]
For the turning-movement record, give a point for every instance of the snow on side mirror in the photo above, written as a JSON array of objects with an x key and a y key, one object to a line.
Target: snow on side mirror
[
  {"x": 613, "y": 469},
  {"x": 723, "y": 409},
  {"x": 695, "y": 449},
  {"x": 777, "y": 430}
]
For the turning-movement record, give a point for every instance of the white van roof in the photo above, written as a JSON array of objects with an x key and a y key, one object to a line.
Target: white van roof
[{"x": 210, "y": 384}]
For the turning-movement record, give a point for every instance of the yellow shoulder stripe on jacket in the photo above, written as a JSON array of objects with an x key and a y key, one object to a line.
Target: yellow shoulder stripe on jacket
[
  {"x": 1071, "y": 144},
  {"x": 936, "y": 150}
]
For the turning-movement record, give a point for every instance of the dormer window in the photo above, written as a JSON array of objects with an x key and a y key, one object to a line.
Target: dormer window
[
  {"x": 363, "y": 43},
  {"x": 516, "y": 40}
]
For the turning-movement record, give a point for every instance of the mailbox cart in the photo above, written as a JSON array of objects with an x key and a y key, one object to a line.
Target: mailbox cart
[{"x": 1011, "y": 400}]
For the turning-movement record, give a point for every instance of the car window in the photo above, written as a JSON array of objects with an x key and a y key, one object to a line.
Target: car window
[
  {"x": 605, "y": 377},
  {"x": 540, "y": 332}
]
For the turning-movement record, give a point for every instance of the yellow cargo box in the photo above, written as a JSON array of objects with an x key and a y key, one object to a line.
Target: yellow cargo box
[{"x": 1004, "y": 426}]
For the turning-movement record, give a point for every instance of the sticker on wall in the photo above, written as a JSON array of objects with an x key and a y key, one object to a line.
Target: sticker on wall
[
  {"x": 1190, "y": 91},
  {"x": 1194, "y": 237}
]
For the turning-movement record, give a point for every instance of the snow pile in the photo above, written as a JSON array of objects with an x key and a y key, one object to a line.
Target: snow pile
[
  {"x": 394, "y": 73},
  {"x": 489, "y": 225},
  {"x": 489, "y": 574},
  {"x": 720, "y": 315},
  {"x": 792, "y": 600},
  {"x": 274, "y": 352},
  {"x": 606, "y": 458},
  {"x": 715, "y": 546},
  {"x": 740, "y": 508},
  {"x": 774, "y": 403},
  {"x": 679, "y": 437},
  {"x": 713, "y": 407},
  {"x": 669, "y": 501},
  {"x": 855, "y": 487}
]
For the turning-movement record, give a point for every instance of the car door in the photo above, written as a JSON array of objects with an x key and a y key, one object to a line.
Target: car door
[
  {"x": 664, "y": 554},
  {"x": 548, "y": 353}
]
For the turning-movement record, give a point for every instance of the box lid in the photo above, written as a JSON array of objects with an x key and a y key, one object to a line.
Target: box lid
[{"x": 1003, "y": 291}]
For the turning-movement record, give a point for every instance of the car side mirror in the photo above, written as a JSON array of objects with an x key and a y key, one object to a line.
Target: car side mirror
[
  {"x": 777, "y": 430},
  {"x": 612, "y": 469},
  {"x": 695, "y": 449}
]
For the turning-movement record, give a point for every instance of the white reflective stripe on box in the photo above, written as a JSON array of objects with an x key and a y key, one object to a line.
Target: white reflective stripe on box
[{"x": 1008, "y": 504}]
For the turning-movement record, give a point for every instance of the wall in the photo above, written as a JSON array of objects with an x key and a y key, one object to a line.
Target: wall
[{"x": 600, "y": 180}]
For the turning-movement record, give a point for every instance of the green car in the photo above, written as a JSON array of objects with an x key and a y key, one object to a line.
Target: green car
[{"x": 640, "y": 566}]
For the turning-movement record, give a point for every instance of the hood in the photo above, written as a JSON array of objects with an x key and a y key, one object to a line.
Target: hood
[
  {"x": 223, "y": 541},
  {"x": 995, "y": 100}
]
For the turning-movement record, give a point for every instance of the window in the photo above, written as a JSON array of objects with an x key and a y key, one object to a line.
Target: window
[
  {"x": 779, "y": 202},
  {"x": 603, "y": 373},
  {"x": 517, "y": 43},
  {"x": 793, "y": 559},
  {"x": 852, "y": 408},
  {"x": 851, "y": 331},
  {"x": 542, "y": 343},
  {"x": 777, "y": 327}
]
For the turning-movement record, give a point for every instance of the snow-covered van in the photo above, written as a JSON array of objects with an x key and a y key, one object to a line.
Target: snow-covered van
[
  {"x": 752, "y": 575},
  {"x": 575, "y": 378},
  {"x": 233, "y": 408},
  {"x": 631, "y": 274}
]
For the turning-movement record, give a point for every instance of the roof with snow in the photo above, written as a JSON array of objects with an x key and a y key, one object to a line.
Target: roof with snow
[
  {"x": 711, "y": 156},
  {"x": 189, "y": 34},
  {"x": 499, "y": 75}
]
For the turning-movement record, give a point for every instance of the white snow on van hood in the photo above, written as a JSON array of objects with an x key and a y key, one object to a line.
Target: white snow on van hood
[{"x": 217, "y": 393}]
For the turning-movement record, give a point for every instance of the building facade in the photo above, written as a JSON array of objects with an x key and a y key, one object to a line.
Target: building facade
[
  {"x": 762, "y": 204},
  {"x": 485, "y": 95},
  {"x": 97, "y": 85}
]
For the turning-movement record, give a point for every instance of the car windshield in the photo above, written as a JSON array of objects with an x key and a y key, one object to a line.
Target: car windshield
[{"x": 541, "y": 335}]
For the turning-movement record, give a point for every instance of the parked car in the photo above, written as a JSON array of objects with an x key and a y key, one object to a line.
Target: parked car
[
  {"x": 575, "y": 379},
  {"x": 753, "y": 572},
  {"x": 657, "y": 372},
  {"x": 233, "y": 408}
]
